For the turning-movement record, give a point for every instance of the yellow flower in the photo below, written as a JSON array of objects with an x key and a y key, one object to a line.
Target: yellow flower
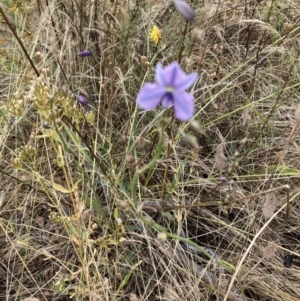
[{"x": 155, "y": 35}]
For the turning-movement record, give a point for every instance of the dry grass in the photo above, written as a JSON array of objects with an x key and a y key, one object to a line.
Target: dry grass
[{"x": 78, "y": 218}]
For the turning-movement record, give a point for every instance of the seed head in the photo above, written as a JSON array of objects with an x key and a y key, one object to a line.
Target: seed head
[
  {"x": 161, "y": 237},
  {"x": 270, "y": 250}
]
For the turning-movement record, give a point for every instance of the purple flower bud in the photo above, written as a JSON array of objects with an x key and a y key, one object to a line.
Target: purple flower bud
[
  {"x": 223, "y": 179},
  {"x": 82, "y": 100},
  {"x": 185, "y": 9},
  {"x": 84, "y": 53}
]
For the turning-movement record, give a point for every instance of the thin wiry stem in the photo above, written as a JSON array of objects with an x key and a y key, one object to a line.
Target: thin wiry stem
[{"x": 19, "y": 40}]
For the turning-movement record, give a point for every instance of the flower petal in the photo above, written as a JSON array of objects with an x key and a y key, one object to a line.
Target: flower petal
[
  {"x": 174, "y": 76},
  {"x": 167, "y": 76},
  {"x": 183, "y": 105},
  {"x": 185, "y": 9},
  {"x": 167, "y": 101},
  {"x": 159, "y": 76},
  {"x": 150, "y": 96},
  {"x": 185, "y": 81}
]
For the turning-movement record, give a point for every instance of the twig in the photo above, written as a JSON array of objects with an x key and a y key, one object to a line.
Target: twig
[{"x": 19, "y": 40}]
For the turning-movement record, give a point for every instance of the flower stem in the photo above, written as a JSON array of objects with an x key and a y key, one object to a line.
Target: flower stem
[
  {"x": 146, "y": 167},
  {"x": 164, "y": 184},
  {"x": 182, "y": 43},
  {"x": 226, "y": 265}
]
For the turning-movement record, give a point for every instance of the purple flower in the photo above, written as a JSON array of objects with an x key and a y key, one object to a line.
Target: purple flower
[
  {"x": 169, "y": 91},
  {"x": 82, "y": 99},
  {"x": 84, "y": 53},
  {"x": 185, "y": 9}
]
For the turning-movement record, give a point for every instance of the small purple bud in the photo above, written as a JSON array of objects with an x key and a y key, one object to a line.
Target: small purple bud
[
  {"x": 84, "y": 53},
  {"x": 223, "y": 179},
  {"x": 81, "y": 99},
  {"x": 185, "y": 9}
]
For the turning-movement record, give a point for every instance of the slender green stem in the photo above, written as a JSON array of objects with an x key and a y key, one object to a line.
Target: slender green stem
[
  {"x": 145, "y": 168},
  {"x": 159, "y": 228},
  {"x": 164, "y": 184},
  {"x": 182, "y": 43}
]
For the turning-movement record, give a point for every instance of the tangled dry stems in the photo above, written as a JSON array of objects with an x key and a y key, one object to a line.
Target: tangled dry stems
[{"x": 68, "y": 229}]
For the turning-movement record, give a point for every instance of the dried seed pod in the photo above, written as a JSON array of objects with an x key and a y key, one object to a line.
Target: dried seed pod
[
  {"x": 162, "y": 237},
  {"x": 297, "y": 113},
  {"x": 220, "y": 157},
  {"x": 270, "y": 250},
  {"x": 269, "y": 206}
]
